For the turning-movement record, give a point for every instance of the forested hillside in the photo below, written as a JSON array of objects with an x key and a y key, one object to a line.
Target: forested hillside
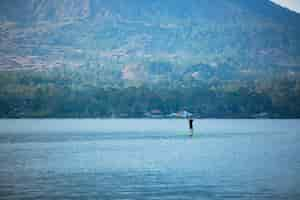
[{"x": 101, "y": 58}]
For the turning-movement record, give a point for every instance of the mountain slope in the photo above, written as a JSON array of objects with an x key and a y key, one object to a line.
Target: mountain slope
[
  {"x": 127, "y": 39},
  {"x": 80, "y": 58},
  {"x": 35, "y": 10}
]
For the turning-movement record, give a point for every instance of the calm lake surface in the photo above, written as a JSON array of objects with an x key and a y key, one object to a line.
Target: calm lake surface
[{"x": 149, "y": 159}]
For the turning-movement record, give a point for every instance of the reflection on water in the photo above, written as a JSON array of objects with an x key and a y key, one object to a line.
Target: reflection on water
[{"x": 149, "y": 159}]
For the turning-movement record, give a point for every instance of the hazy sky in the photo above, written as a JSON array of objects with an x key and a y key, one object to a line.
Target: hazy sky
[{"x": 291, "y": 4}]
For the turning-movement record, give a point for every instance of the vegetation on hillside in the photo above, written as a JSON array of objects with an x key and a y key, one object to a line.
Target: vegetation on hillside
[
  {"x": 37, "y": 95},
  {"x": 92, "y": 58}
]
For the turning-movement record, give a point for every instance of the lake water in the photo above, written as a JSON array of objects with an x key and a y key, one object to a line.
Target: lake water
[{"x": 149, "y": 159}]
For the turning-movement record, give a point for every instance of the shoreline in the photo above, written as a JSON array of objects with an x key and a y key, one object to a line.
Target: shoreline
[{"x": 132, "y": 118}]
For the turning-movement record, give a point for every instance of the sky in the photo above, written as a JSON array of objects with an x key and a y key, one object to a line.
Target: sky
[{"x": 291, "y": 4}]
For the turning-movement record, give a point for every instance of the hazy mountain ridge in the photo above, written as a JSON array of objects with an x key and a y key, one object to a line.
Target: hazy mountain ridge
[{"x": 37, "y": 10}]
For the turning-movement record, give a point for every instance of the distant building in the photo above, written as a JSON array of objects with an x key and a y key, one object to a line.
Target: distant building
[
  {"x": 154, "y": 114},
  {"x": 181, "y": 114},
  {"x": 261, "y": 115},
  {"x": 172, "y": 115},
  {"x": 185, "y": 114}
]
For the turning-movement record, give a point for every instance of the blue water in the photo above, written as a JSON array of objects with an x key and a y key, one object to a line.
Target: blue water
[{"x": 149, "y": 159}]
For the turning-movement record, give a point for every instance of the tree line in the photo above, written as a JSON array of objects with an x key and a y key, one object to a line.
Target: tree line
[{"x": 41, "y": 99}]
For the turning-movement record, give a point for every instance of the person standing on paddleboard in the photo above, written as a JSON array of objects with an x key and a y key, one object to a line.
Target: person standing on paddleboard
[
  {"x": 189, "y": 116},
  {"x": 191, "y": 120}
]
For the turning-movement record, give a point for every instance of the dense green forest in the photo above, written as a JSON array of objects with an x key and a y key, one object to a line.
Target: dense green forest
[{"x": 37, "y": 95}]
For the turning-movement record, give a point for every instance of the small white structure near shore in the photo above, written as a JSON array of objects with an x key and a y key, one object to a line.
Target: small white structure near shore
[{"x": 181, "y": 114}]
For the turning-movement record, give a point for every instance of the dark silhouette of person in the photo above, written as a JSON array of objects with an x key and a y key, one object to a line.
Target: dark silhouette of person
[
  {"x": 191, "y": 123},
  {"x": 191, "y": 126}
]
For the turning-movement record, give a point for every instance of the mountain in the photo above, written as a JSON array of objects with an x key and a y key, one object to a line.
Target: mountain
[
  {"x": 126, "y": 39},
  {"x": 35, "y": 10},
  {"x": 69, "y": 58}
]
